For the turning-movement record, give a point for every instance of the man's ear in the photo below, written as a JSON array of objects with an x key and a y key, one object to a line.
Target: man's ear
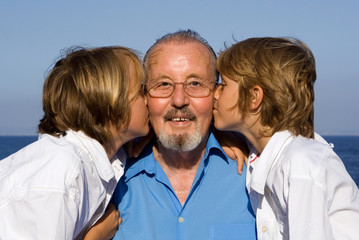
[{"x": 256, "y": 98}]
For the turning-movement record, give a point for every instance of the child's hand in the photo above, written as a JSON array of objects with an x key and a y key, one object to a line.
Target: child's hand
[
  {"x": 106, "y": 227},
  {"x": 235, "y": 146}
]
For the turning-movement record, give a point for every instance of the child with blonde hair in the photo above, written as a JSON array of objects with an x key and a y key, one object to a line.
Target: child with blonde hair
[
  {"x": 298, "y": 187},
  {"x": 60, "y": 185}
]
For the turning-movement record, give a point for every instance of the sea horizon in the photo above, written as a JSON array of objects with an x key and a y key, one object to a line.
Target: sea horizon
[
  {"x": 323, "y": 135},
  {"x": 345, "y": 146}
]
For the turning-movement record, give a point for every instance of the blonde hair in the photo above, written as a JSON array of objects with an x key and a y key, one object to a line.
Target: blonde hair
[
  {"x": 285, "y": 69},
  {"x": 89, "y": 89}
]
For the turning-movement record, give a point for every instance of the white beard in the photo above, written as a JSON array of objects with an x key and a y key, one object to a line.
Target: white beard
[{"x": 180, "y": 143}]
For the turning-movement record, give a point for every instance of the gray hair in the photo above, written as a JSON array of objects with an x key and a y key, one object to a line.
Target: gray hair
[{"x": 183, "y": 36}]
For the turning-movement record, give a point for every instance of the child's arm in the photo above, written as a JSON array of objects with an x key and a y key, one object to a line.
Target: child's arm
[
  {"x": 307, "y": 211},
  {"x": 106, "y": 227},
  {"x": 323, "y": 204}
]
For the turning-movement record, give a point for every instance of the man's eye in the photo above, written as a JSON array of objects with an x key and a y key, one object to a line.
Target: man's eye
[
  {"x": 194, "y": 84},
  {"x": 163, "y": 84}
]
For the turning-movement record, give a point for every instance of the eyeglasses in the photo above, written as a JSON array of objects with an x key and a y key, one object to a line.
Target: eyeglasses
[{"x": 193, "y": 87}]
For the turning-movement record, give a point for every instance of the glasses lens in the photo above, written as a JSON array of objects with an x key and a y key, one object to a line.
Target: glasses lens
[
  {"x": 194, "y": 88},
  {"x": 163, "y": 88}
]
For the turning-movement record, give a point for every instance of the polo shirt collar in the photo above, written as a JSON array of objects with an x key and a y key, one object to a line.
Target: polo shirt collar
[
  {"x": 146, "y": 161},
  {"x": 213, "y": 144}
]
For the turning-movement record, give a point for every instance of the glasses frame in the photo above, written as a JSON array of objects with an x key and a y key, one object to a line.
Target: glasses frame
[{"x": 184, "y": 88}]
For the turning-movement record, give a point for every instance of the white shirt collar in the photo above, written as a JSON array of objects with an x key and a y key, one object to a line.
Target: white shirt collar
[
  {"x": 261, "y": 165},
  {"x": 96, "y": 152}
]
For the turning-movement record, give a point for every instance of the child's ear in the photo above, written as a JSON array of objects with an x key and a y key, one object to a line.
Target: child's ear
[{"x": 256, "y": 97}]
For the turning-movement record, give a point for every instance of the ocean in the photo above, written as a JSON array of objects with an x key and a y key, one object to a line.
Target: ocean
[{"x": 347, "y": 148}]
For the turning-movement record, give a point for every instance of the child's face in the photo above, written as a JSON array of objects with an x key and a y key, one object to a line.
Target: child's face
[
  {"x": 227, "y": 115},
  {"x": 138, "y": 125}
]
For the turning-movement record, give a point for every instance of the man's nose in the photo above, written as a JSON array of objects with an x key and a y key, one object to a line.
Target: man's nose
[{"x": 179, "y": 97}]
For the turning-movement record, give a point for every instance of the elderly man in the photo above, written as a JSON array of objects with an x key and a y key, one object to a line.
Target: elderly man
[{"x": 183, "y": 186}]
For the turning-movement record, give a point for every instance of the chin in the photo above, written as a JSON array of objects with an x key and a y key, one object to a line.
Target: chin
[
  {"x": 144, "y": 133},
  {"x": 222, "y": 126},
  {"x": 217, "y": 125},
  {"x": 141, "y": 133}
]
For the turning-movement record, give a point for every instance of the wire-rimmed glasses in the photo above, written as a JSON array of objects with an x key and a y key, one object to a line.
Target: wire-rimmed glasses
[{"x": 193, "y": 87}]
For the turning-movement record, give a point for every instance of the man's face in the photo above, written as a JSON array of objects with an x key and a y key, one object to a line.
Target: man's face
[{"x": 180, "y": 121}]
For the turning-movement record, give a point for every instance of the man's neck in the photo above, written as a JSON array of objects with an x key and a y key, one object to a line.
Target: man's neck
[{"x": 180, "y": 167}]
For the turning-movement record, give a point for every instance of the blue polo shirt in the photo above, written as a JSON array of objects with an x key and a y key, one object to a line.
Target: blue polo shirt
[{"x": 217, "y": 207}]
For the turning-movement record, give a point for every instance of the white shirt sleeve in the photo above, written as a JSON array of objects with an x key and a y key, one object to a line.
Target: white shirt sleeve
[
  {"x": 55, "y": 188},
  {"x": 304, "y": 196},
  {"x": 329, "y": 200},
  {"x": 56, "y": 216}
]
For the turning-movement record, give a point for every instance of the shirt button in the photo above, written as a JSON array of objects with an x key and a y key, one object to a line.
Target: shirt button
[
  {"x": 264, "y": 229},
  {"x": 180, "y": 219}
]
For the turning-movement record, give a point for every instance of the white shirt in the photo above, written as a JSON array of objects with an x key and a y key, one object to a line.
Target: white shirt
[
  {"x": 300, "y": 189},
  {"x": 56, "y": 188}
]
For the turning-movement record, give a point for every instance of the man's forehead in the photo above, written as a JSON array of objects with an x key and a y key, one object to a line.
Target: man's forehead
[
  {"x": 177, "y": 46},
  {"x": 162, "y": 52}
]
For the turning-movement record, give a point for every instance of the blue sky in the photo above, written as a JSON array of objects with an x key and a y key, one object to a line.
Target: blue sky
[{"x": 33, "y": 33}]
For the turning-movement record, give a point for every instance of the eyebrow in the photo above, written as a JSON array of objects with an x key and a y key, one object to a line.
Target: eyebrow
[
  {"x": 160, "y": 77},
  {"x": 164, "y": 76},
  {"x": 194, "y": 76}
]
